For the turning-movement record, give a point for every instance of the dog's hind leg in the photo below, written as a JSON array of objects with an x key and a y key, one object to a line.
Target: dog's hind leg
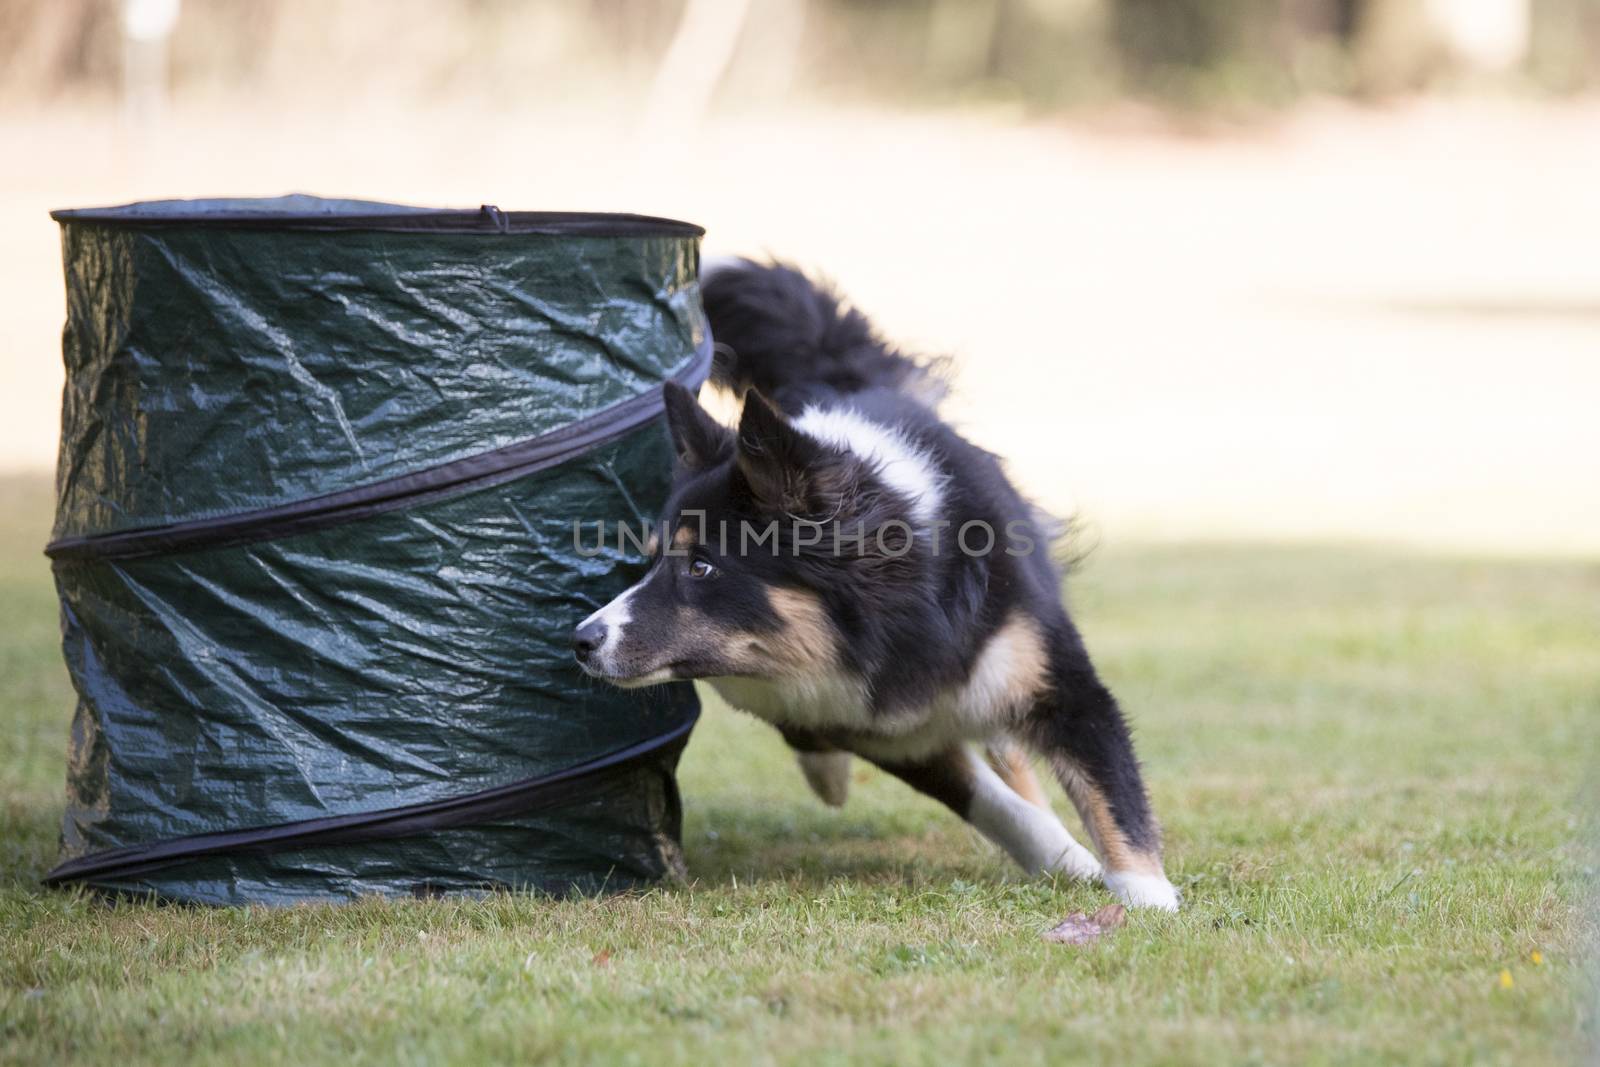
[
  {"x": 1012, "y": 764},
  {"x": 964, "y": 783},
  {"x": 828, "y": 775},
  {"x": 1078, "y": 728},
  {"x": 826, "y": 769}
]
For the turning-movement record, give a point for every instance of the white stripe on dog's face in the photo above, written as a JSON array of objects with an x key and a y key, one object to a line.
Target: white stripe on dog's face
[
  {"x": 615, "y": 617},
  {"x": 909, "y": 471}
]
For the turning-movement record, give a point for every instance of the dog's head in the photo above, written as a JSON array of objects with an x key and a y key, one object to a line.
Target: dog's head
[{"x": 746, "y": 578}]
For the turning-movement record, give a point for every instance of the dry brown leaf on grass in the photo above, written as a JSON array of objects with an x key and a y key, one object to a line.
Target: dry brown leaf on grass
[{"x": 1081, "y": 929}]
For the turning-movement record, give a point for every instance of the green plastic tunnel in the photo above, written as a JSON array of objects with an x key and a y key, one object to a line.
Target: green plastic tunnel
[{"x": 320, "y": 467}]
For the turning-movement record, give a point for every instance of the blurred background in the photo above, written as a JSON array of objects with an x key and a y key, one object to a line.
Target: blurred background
[{"x": 1250, "y": 269}]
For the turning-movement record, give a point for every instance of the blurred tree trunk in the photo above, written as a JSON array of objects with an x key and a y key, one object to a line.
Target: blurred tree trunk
[
  {"x": 1179, "y": 47},
  {"x": 961, "y": 40},
  {"x": 1393, "y": 49},
  {"x": 59, "y": 44}
]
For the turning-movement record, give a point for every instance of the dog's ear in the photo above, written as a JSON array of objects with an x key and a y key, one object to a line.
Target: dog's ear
[
  {"x": 697, "y": 438},
  {"x": 786, "y": 471}
]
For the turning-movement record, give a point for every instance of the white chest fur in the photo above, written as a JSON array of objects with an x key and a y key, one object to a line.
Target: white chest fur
[
  {"x": 1004, "y": 681},
  {"x": 830, "y": 701}
]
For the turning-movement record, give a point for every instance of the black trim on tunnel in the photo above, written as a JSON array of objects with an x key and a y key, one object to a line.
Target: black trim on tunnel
[
  {"x": 457, "y": 476},
  {"x": 517, "y": 798},
  {"x": 296, "y": 214}
]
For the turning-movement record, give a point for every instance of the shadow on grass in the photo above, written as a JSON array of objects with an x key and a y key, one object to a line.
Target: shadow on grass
[{"x": 724, "y": 840}]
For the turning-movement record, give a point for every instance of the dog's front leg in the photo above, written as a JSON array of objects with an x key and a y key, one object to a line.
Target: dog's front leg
[
  {"x": 1078, "y": 728},
  {"x": 1010, "y": 762},
  {"x": 959, "y": 779}
]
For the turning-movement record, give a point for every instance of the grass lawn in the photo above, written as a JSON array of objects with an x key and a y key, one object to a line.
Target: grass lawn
[{"x": 1369, "y": 765}]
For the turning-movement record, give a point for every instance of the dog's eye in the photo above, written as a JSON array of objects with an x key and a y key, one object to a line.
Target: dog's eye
[{"x": 699, "y": 568}]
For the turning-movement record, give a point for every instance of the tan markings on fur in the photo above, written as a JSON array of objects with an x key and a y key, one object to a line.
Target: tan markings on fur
[
  {"x": 806, "y": 642},
  {"x": 722, "y": 403},
  {"x": 1095, "y": 809},
  {"x": 685, "y": 537},
  {"x": 803, "y": 647},
  {"x": 1015, "y": 770},
  {"x": 652, "y": 546},
  {"x": 1009, "y": 674}
]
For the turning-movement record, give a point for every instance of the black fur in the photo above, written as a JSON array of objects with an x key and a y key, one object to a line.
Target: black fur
[
  {"x": 910, "y": 624},
  {"x": 798, "y": 343}
]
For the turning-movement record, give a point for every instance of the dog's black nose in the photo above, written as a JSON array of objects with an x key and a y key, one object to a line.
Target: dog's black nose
[{"x": 587, "y": 639}]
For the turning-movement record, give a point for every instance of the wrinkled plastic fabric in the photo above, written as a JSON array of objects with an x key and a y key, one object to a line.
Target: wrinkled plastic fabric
[
  {"x": 212, "y": 372},
  {"x": 402, "y": 658}
]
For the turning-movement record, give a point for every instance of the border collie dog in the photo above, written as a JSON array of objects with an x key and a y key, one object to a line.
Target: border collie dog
[{"x": 847, "y": 567}]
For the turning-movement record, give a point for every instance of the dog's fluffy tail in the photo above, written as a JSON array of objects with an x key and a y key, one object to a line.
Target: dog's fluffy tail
[{"x": 795, "y": 339}]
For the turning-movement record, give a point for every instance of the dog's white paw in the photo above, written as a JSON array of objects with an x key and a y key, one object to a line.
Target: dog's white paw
[
  {"x": 1142, "y": 890},
  {"x": 1076, "y": 862}
]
